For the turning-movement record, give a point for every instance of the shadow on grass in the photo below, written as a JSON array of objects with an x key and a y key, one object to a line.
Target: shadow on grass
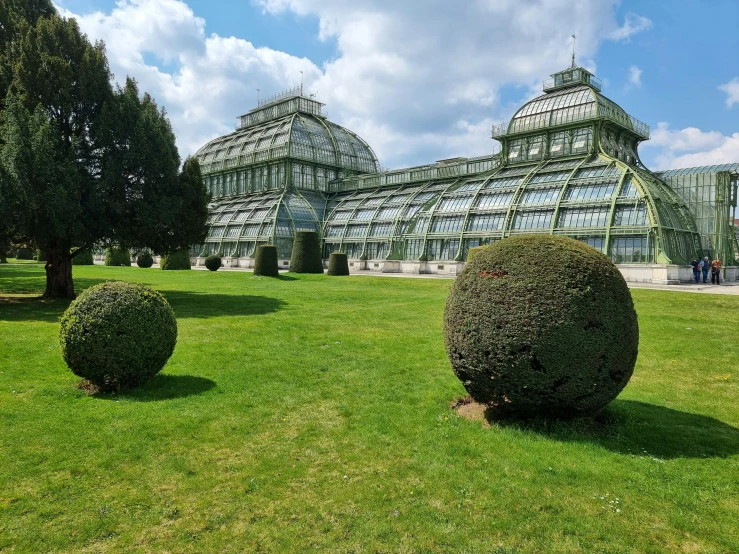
[
  {"x": 641, "y": 429},
  {"x": 188, "y": 304},
  {"x": 163, "y": 387}
]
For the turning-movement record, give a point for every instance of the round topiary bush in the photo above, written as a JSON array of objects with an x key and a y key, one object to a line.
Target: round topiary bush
[
  {"x": 24, "y": 254},
  {"x": 118, "y": 334},
  {"x": 115, "y": 256},
  {"x": 540, "y": 325},
  {"x": 179, "y": 259},
  {"x": 83, "y": 258},
  {"x": 474, "y": 250},
  {"x": 213, "y": 263},
  {"x": 145, "y": 260},
  {"x": 338, "y": 264},
  {"x": 265, "y": 261},
  {"x": 306, "y": 256}
]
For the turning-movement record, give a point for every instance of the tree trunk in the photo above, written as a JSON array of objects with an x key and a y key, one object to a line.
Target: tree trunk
[
  {"x": 4, "y": 247},
  {"x": 59, "y": 282}
]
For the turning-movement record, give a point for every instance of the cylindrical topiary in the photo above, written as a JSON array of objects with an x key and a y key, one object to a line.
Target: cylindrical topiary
[
  {"x": 24, "y": 254},
  {"x": 213, "y": 263},
  {"x": 39, "y": 255},
  {"x": 179, "y": 259},
  {"x": 115, "y": 256},
  {"x": 540, "y": 325},
  {"x": 118, "y": 334},
  {"x": 144, "y": 260},
  {"x": 265, "y": 261},
  {"x": 306, "y": 256},
  {"x": 338, "y": 264},
  {"x": 83, "y": 258}
]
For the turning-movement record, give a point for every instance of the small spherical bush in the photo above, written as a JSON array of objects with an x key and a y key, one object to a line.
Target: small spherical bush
[
  {"x": 145, "y": 260},
  {"x": 179, "y": 259},
  {"x": 83, "y": 258},
  {"x": 213, "y": 263},
  {"x": 540, "y": 325},
  {"x": 118, "y": 334},
  {"x": 338, "y": 264},
  {"x": 265, "y": 261},
  {"x": 306, "y": 256}
]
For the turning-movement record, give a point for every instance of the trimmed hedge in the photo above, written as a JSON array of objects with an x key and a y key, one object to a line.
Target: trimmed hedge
[
  {"x": 115, "y": 256},
  {"x": 540, "y": 325},
  {"x": 338, "y": 264},
  {"x": 83, "y": 258},
  {"x": 306, "y": 256},
  {"x": 213, "y": 263},
  {"x": 24, "y": 254},
  {"x": 118, "y": 334},
  {"x": 179, "y": 259},
  {"x": 265, "y": 261},
  {"x": 39, "y": 256},
  {"x": 145, "y": 260}
]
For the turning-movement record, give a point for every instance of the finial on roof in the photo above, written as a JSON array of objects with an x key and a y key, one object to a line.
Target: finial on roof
[
  {"x": 573, "y": 51},
  {"x": 301, "y": 83}
]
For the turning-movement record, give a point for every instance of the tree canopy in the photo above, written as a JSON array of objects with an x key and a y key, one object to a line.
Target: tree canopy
[{"x": 82, "y": 163}]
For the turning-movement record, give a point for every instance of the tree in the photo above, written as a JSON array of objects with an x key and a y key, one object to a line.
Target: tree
[
  {"x": 86, "y": 164},
  {"x": 16, "y": 16}
]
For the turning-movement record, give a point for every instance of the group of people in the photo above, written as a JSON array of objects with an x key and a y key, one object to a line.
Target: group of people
[{"x": 703, "y": 267}]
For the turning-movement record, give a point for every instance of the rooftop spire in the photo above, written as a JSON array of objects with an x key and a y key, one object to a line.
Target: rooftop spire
[{"x": 573, "y": 51}]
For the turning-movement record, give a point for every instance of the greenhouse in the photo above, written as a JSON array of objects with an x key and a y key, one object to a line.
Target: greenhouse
[{"x": 568, "y": 165}]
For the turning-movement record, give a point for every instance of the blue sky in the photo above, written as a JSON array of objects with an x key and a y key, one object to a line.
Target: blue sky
[{"x": 424, "y": 80}]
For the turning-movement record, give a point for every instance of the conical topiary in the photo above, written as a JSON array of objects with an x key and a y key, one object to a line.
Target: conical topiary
[
  {"x": 338, "y": 264},
  {"x": 306, "y": 257},
  {"x": 265, "y": 261}
]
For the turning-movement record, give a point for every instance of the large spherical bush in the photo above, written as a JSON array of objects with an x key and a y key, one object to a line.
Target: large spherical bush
[
  {"x": 179, "y": 259},
  {"x": 213, "y": 263},
  {"x": 306, "y": 256},
  {"x": 118, "y": 334},
  {"x": 265, "y": 261},
  {"x": 541, "y": 325},
  {"x": 338, "y": 264}
]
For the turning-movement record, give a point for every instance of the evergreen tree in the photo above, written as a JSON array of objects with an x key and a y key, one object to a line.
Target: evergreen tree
[{"x": 84, "y": 164}]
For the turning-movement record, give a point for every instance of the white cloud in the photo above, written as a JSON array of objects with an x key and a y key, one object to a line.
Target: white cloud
[
  {"x": 633, "y": 24},
  {"x": 732, "y": 92},
  {"x": 418, "y": 81},
  {"x": 635, "y": 76},
  {"x": 691, "y": 147}
]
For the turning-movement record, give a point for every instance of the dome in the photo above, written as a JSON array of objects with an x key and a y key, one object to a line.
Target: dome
[
  {"x": 303, "y": 136},
  {"x": 565, "y": 106}
]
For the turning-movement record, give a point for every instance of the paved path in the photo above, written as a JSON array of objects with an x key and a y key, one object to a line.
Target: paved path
[{"x": 725, "y": 288}]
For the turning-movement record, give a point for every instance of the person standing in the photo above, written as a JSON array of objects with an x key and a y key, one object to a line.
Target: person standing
[
  {"x": 696, "y": 269},
  {"x": 706, "y": 267},
  {"x": 716, "y": 272}
]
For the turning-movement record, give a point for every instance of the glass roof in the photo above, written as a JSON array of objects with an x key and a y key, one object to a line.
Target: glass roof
[
  {"x": 731, "y": 168},
  {"x": 298, "y": 135}
]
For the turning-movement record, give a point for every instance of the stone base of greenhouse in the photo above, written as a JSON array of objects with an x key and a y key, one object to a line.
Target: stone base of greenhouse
[{"x": 658, "y": 274}]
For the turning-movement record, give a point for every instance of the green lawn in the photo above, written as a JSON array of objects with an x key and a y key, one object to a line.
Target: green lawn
[{"x": 312, "y": 414}]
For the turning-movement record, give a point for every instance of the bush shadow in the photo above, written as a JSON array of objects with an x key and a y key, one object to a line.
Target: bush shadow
[
  {"x": 162, "y": 387},
  {"x": 640, "y": 429},
  {"x": 188, "y": 304}
]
